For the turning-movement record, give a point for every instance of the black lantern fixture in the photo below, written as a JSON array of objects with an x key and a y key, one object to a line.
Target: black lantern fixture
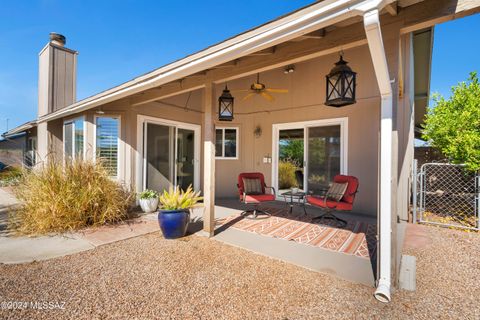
[
  {"x": 225, "y": 105},
  {"x": 340, "y": 85}
]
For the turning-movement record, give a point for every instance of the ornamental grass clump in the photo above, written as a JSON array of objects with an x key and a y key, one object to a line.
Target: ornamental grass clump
[
  {"x": 286, "y": 174},
  {"x": 176, "y": 199},
  {"x": 58, "y": 198}
]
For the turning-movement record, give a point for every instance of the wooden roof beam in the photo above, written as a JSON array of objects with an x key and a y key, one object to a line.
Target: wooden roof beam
[
  {"x": 392, "y": 8},
  {"x": 265, "y": 52},
  {"x": 318, "y": 34}
]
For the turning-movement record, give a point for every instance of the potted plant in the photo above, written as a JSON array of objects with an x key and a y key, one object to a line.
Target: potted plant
[
  {"x": 174, "y": 213},
  {"x": 149, "y": 201}
]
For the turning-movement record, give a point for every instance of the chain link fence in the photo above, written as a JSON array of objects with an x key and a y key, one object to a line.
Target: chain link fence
[{"x": 446, "y": 194}]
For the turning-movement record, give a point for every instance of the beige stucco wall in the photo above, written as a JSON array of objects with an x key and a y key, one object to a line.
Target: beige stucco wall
[
  {"x": 55, "y": 131},
  {"x": 304, "y": 102}
]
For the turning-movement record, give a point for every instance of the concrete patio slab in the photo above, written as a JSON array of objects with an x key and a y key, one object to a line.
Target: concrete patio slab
[
  {"x": 125, "y": 230},
  {"x": 15, "y": 250},
  {"x": 416, "y": 236},
  {"x": 7, "y": 199},
  {"x": 345, "y": 266}
]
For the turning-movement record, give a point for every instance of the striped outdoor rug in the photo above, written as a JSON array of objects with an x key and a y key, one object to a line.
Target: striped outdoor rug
[{"x": 357, "y": 238}]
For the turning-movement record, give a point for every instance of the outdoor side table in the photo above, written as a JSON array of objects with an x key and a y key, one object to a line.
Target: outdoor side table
[{"x": 294, "y": 198}]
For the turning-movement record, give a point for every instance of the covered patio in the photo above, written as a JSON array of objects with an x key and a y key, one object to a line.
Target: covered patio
[{"x": 349, "y": 253}]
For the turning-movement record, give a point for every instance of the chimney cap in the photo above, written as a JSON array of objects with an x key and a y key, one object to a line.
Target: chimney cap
[{"x": 58, "y": 38}]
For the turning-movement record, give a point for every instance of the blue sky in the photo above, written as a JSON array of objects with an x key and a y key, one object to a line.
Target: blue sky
[{"x": 118, "y": 40}]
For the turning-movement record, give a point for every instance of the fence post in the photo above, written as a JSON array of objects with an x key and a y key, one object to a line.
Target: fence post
[
  {"x": 477, "y": 187},
  {"x": 414, "y": 191}
]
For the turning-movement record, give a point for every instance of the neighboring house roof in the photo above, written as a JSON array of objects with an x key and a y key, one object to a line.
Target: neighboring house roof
[{"x": 19, "y": 129}]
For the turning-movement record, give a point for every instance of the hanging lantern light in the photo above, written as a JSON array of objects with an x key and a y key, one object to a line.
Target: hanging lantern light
[
  {"x": 340, "y": 85},
  {"x": 225, "y": 105}
]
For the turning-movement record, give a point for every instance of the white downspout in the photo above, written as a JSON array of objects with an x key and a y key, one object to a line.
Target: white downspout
[{"x": 375, "y": 43}]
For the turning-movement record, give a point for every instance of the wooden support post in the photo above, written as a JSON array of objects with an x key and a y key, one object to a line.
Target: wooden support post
[{"x": 209, "y": 160}]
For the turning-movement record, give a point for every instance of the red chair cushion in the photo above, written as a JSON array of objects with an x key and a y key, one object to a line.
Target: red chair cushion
[
  {"x": 250, "y": 175},
  {"x": 330, "y": 204},
  {"x": 257, "y": 198},
  {"x": 352, "y": 187}
]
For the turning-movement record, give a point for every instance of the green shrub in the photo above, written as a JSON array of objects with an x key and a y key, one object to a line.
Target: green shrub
[
  {"x": 57, "y": 198},
  {"x": 286, "y": 174},
  {"x": 148, "y": 194},
  {"x": 453, "y": 125}
]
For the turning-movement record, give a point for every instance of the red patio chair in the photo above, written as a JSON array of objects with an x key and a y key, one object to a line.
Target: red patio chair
[
  {"x": 256, "y": 197},
  {"x": 330, "y": 205}
]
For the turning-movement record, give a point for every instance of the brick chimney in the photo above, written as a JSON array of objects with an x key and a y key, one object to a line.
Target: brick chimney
[{"x": 57, "y": 75}]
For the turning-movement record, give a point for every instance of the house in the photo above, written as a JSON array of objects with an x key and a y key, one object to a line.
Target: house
[
  {"x": 164, "y": 127},
  {"x": 12, "y": 149}
]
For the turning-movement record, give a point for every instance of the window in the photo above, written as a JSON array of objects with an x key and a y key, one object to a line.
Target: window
[
  {"x": 73, "y": 138},
  {"x": 226, "y": 143},
  {"x": 106, "y": 143}
]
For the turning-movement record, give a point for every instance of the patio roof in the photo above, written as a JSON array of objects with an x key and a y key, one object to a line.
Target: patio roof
[{"x": 299, "y": 23}]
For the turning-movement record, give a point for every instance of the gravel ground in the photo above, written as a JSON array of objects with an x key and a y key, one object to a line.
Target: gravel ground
[{"x": 196, "y": 278}]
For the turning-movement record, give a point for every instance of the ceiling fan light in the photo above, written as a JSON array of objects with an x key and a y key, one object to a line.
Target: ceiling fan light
[{"x": 289, "y": 69}]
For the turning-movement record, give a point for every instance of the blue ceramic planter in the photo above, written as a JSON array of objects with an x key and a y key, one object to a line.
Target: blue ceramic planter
[{"x": 173, "y": 223}]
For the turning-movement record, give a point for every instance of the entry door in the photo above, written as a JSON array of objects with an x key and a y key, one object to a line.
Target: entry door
[
  {"x": 308, "y": 155},
  {"x": 170, "y": 156}
]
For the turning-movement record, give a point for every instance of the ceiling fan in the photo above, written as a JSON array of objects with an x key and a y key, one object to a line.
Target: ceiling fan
[{"x": 259, "y": 88}]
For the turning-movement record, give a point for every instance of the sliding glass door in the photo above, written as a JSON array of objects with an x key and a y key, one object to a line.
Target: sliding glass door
[
  {"x": 159, "y": 156},
  {"x": 307, "y": 155},
  {"x": 170, "y": 156},
  {"x": 323, "y": 158}
]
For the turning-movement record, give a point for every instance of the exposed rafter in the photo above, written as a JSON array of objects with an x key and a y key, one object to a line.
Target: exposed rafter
[
  {"x": 319, "y": 34},
  {"x": 169, "y": 90},
  {"x": 265, "y": 52},
  {"x": 392, "y": 9},
  {"x": 226, "y": 65}
]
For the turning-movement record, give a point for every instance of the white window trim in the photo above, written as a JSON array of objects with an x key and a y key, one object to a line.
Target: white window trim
[
  {"x": 72, "y": 121},
  {"x": 120, "y": 155},
  {"x": 237, "y": 137},
  {"x": 342, "y": 122}
]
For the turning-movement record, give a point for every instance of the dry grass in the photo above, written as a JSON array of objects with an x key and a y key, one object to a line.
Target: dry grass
[
  {"x": 286, "y": 175},
  {"x": 59, "y": 198}
]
